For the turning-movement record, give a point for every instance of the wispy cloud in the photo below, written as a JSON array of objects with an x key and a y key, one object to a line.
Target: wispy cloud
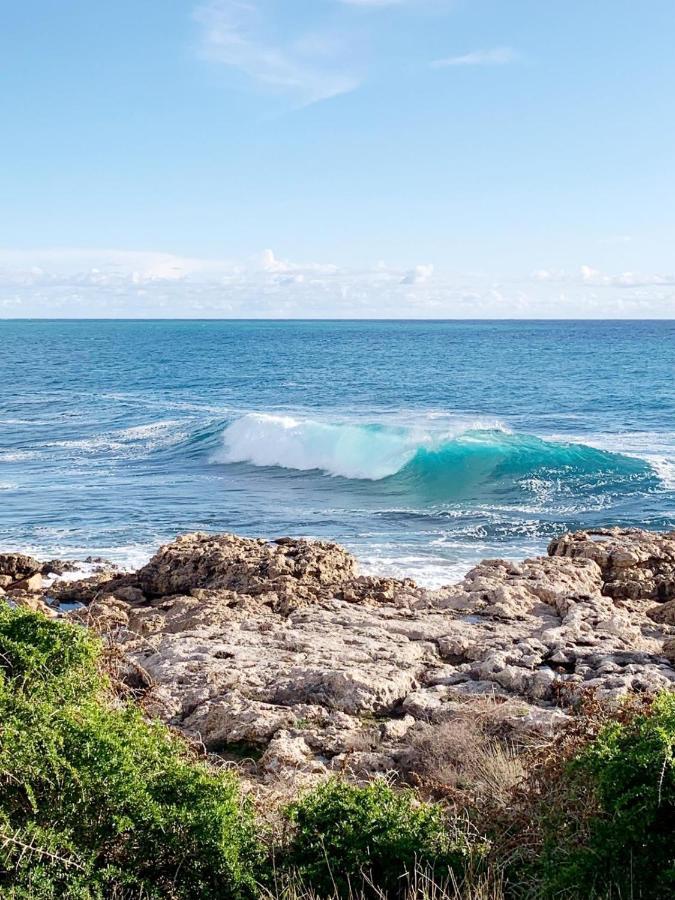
[
  {"x": 498, "y": 56},
  {"x": 587, "y": 275},
  {"x": 102, "y": 266},
  {"x": 73, "y": 281},
  {"x": 121, "y": 283},
  {"x": 237, "y": 34}
]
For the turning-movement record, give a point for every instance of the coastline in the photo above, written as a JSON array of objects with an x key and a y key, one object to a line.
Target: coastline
[
  {"x": 396, "y": 441},
  {"x": 282, "y": 651}
]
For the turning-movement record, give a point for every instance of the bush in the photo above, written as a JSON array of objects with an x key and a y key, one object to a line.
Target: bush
[
  {"x": 623, "y": 783},
  {"x": 36, "y": 653},
  {"x": 96, "y": 802},
  {"x": 348, "y": 838}
]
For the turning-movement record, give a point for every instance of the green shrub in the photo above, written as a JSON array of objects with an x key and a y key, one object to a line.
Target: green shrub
[
  {"x": 348, "y": 837},
  {"x": 94, "y": 801},
  {"x": 36, "y": 653},
  {"x": 623, "y": 841}
]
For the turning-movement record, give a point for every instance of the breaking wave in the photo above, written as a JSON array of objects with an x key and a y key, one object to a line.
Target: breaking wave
[{"x": 467, "y": 454}]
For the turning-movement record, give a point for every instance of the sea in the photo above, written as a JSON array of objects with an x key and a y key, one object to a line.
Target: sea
[{"x": 421, "y": 446}]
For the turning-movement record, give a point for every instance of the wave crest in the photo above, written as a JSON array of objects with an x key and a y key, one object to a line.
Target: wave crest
[{"x": 355, "y": 451}]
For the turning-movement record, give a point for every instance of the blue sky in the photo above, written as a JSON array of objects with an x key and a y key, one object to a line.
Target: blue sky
[{"x": 337, "y": 157}]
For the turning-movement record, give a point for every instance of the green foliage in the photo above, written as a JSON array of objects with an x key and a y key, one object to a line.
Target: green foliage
[
  {"x": 43, "y": 656},
  {"x": 346, "y": 836},
  {"x": 625, "y": 841},
  {"x": 94, "y": 801}
]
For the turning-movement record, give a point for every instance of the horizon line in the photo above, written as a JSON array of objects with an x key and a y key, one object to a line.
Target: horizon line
[{"x": 320, "y": 319}]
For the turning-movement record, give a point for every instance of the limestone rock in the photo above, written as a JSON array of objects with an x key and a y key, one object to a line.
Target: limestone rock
[
  {"x": 287, "y": 751},
  {"x": 293, "y": 570},
  {"x": 284, "y": 647},
  {"x": 103, "y": 615},
  {"x": 284, "y": 650},
  {"x": 87, "y": 589},
  {"x": 32, "y": 601},
  {"x": 663, "y": 613},
  {"x": 58, "y": 567},
  {"x": 635, "y": 564},
  {"x": 669, "y": 650}
]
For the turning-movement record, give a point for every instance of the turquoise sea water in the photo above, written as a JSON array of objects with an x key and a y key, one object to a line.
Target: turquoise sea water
[{"x": 421, "y": 446}]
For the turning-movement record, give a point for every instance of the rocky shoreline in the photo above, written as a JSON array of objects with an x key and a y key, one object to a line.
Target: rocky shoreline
[{"x": 280, "y": 653}]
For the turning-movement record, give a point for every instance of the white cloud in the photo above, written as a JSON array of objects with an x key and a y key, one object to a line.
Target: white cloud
[
  {"x": 625, "y": 279},
  {"x": 270, "y": 263},
  {"x": 237, "y": 34},
  {"x": 498, "y": 56},
  {"x": 72, "y": 282},
  {"x": 418, "y": 275},
  {"x": 545, "y": 275},
  {"x": 102, "y": 266},
  {"x": 587, "y": 275}
]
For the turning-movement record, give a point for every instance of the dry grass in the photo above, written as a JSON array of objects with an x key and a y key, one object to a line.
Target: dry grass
[
  {"x": 472, "y": 757},
  {"x": 420, "y": 885},
  {"x": 457, "y": 757}
]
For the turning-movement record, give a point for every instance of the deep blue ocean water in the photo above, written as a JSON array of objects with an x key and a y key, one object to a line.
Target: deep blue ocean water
[{"x": 421, "y": 446}]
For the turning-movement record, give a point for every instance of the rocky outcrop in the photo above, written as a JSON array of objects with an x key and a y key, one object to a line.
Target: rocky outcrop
[
  {"x": 294, "y": 571},
  {"x": 21, "y": 581},
  {"x": 281, "y": 652},
  {"x": 285, "y": 574},
  {"x": 27, "y": 582},
  {"x": 15, "y": 566},
  {"x": 635, "y": 564}
]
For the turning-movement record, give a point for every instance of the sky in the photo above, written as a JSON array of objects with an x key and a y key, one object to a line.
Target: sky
[{"x": 337, "y": 158}]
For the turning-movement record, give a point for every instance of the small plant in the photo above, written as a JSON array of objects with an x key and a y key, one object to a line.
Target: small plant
[{"x": 347, "y": 838}]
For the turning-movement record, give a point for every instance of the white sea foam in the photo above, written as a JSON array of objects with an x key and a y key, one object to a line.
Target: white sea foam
[
  {"x": 125, "y": 442},
  {"x": 31, "y": 422},
  {"x": 149, "y": 430},
  {"x": 162, "y": 403},
  {"x": 665, "y": 469},
  {"x": 128, "y": 442},
  {"x": 427, "y": 571},
  {"x": 10, "y": 456},
  {"x": 127, "y": 557}
]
